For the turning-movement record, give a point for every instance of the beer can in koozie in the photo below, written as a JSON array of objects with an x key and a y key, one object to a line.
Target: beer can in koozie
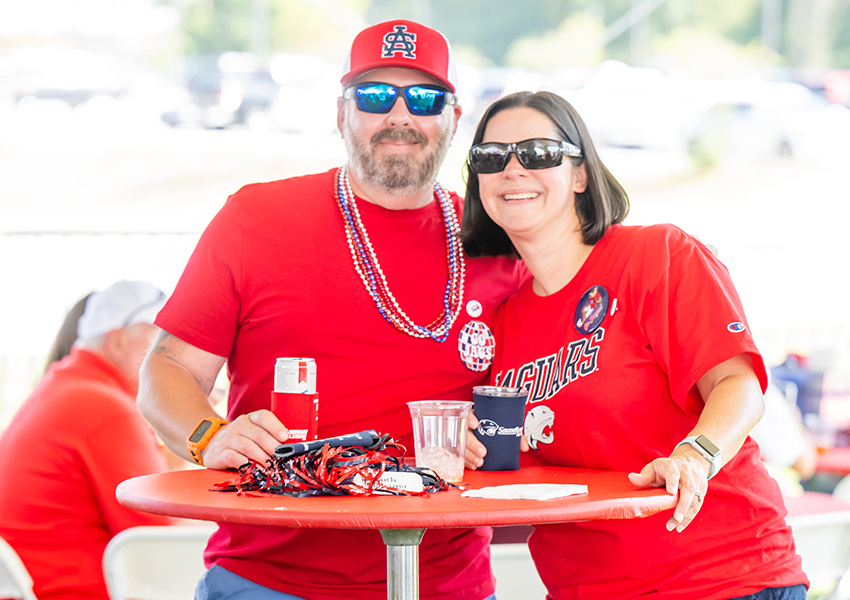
[
  {"x": 500, "y": 412},
  {"x": 295, "y": 375},
  {"x": 294, "y": 399}
]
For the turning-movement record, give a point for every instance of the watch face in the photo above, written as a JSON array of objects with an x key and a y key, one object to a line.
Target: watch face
[
  {"x": 707, "y": 445},
  {"x": 199, "y": 432}
]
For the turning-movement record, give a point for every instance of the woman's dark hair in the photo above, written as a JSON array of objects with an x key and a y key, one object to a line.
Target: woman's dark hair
[
  {"x": 603, "y": 202},
  {"x": 67, "y": 334}
]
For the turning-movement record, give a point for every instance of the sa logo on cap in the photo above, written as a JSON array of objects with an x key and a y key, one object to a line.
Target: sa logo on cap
[{"x": 400, "y": 40}]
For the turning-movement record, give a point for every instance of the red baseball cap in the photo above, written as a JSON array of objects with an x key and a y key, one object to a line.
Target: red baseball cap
[{"x": 403, "y": 44}]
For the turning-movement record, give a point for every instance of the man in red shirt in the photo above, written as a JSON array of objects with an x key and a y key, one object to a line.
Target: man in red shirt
[
  {"x": 74, "y": 440},
  {"x": 359, "y": 268}
]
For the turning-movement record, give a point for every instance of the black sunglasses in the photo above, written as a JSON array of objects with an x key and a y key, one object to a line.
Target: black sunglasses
[
  {"x": 379, "y": 98},
  {"x": 536, "y": 153}
]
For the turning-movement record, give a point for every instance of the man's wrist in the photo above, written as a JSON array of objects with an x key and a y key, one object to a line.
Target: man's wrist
[{"x": 201, "y": 437}]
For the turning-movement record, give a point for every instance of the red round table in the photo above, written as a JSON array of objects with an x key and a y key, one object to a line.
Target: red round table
[
  {"x": 813, "y": 503},
  {"x": 401, "y": 520}
]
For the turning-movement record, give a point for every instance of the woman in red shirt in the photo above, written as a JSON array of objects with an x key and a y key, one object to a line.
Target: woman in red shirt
[{"x": 634, "y": 348}]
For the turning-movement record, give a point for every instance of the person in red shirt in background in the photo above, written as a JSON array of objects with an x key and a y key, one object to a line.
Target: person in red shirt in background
[
  {"x": 66, "y": 337},
  {"x": 76, "y": 437}
]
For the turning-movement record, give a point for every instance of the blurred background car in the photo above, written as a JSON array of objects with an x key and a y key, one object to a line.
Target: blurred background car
[
  {"x": 41, "y": 82},
  {"x": 305, "y": 102},
  {"x": 633, "y": 107},
  {"x": 223, "y": 90},
  {"x": 757, "y": 119},
  {"x": 73, "y": 77}
]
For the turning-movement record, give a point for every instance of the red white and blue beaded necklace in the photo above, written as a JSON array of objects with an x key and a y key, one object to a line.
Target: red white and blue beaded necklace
[{"x": 367, "y": 265}]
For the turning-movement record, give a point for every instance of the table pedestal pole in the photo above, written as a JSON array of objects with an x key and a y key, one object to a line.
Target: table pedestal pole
[{"x": 402, "y": 562}]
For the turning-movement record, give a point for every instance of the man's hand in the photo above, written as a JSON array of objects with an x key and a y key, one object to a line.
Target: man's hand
[{"x": 252, "y": 436}]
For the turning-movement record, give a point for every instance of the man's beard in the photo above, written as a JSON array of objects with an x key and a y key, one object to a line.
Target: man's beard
[{"x": 397, "y": 173}]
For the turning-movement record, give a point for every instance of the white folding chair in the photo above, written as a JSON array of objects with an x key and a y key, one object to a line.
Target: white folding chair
[
  {"x": 842, "y": 489},
  {"x": 823, "y": 542},
  {"x": 156, "y": 563},
  {"x": 15, "y": 580}
]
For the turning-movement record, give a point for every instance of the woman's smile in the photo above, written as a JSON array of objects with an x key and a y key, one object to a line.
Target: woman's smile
[{"x": 520, "y": 196}]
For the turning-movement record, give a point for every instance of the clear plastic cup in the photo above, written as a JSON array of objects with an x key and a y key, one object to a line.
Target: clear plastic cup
[{"x": 439, "y": 435}]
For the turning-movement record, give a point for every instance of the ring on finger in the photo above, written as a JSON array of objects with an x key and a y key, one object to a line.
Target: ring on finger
[{"x": 698, "y": 495}]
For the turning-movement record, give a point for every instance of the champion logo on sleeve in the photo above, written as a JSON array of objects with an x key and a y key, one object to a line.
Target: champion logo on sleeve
[{"x": 736, "y": 327}]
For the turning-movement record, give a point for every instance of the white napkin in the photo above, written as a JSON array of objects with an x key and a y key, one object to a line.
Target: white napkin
[{"x": 527, "y": 491}]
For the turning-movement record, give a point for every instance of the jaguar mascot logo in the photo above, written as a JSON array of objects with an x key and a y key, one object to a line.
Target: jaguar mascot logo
[
  {"x": 538, "y": 426},
  {"x": 487, "y": 427}
]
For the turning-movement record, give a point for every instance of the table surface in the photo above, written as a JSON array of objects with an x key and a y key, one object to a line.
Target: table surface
[
  {"x": 835, "y": 460},
  {"x": 189, "y": 494}
]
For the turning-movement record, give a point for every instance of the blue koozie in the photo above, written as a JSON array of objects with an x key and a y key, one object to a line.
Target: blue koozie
[{"x": 500, "y": 412}]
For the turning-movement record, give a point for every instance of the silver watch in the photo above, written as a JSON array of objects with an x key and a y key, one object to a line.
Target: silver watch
[{"x": 707, "y": 449}]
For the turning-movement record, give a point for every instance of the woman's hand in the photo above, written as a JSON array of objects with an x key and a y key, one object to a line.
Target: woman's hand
[
  {"x": 681, "y": 473},
  {"x": 733, "y": 404},
  {"x": 475, "y": 450}
]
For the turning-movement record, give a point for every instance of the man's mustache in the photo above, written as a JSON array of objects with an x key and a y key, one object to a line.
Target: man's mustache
[{"x": 399, "y": 135}]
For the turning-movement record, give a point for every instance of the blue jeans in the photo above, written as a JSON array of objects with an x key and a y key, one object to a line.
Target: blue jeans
[
  {"x": 220, "y": 584},
  {"x": 793, "y": 592}
]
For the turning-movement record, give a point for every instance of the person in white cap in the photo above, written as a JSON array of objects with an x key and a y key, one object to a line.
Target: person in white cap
[
  {"x": 361, "y": 269},
  {"x": 76, "y": 437}
]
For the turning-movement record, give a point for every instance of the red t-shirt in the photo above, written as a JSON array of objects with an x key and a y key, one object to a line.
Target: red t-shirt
[
  {"x": 620, "y": 396},
  {"x": 273, "y": 276},
  {"x": 69, "y": 445}
]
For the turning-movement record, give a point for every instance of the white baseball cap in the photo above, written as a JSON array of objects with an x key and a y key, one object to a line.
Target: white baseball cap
[{"x": 120, "y": 305}]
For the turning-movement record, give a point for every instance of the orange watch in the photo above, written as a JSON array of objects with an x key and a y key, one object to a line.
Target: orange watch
[{"x": 202, "y": 435}]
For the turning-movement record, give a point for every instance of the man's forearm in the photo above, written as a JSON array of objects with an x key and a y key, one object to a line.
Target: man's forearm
[{"x": 174, "y": 386}]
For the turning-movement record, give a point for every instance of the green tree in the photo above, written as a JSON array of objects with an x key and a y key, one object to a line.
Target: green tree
[
  {"x": 736, "y": 20},
  {"x": 702, "y": 51},
  {"x": 813, "y": 32},
  {"x": 490, "y": 26},
  {"x": 216, "y": 26},
  {"x": 576, "y": 42},
  {"x": 533, "y": 32},
  {"x": 318, "y": 27},
  {"x": 841, "y": 52}
]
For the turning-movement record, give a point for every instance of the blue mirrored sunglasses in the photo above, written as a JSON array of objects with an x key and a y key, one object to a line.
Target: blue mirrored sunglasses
[{"x": 379, "y": 98}]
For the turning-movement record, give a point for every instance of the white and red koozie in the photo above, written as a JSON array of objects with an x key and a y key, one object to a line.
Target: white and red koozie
[{"x": 294, "y": 399}]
